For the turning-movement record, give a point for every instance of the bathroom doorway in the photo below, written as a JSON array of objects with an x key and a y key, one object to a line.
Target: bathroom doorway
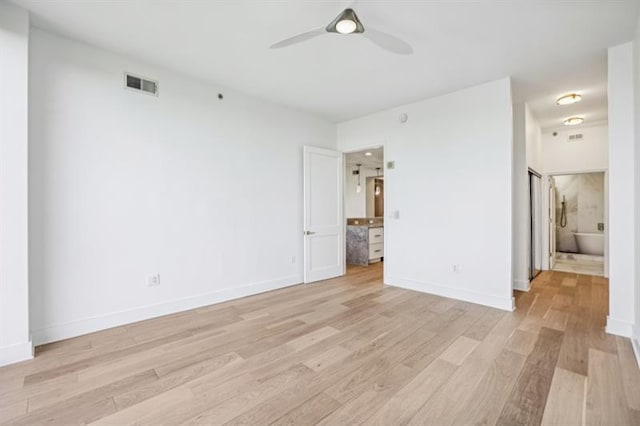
[
  {"x": 578, "y": 222},
  {"x": 364, "y": 195}
]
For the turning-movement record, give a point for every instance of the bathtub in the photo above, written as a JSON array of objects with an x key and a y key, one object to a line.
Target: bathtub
[{"x": 590, "y": 243}]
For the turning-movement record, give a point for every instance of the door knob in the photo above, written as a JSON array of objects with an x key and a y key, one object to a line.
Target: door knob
[{"x": 309, "y": 232}]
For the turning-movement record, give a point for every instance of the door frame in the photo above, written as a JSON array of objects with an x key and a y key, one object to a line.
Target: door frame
[
  {"x": 386, "y": 211},
  {"x": 545, "y": 218}
]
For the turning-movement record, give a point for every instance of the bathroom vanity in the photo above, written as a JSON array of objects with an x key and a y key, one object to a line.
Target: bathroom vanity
[{"x": 365, "y": 240}]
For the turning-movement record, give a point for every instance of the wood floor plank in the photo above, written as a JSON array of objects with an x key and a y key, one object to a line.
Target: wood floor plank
[
  {"x": 574, "y": 353},
  {"x": 253, "y": 395},
  {"x": 344, "y": 351},
  {"x": 453, "y": 397},
  {"x": 522, "y": 342},
  {"x": 566, "y": 400},
  {"x": 630, "y": 376},
  {"x": 529, "y": 396},
  {"x": 309, "y": 412},
  {"x": 606, "y": 404},
  {"x": 459, "y": 350},
  {"x": 486, "y": 402},
  {"x": 330, "y": 356},
  {"x": 360, "y": 407},
  {"x": 402, "y": 406}
]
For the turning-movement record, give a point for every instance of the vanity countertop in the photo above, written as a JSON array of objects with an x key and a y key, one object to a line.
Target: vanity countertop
[{"x": 369, "y": 222}]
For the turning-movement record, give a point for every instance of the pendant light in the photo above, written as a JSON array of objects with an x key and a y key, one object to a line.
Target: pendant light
[
  {"x": 378, "y": 190},
  {"x": 358, "y": 187}
]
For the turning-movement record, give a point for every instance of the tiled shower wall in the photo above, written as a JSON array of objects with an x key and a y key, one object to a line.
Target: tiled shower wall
[{"x": 584, "y": 196}]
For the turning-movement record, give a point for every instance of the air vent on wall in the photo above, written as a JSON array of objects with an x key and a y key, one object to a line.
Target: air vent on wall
[
  {"x": 140, "y": 84},
  {"x": 575, "y": 137}
]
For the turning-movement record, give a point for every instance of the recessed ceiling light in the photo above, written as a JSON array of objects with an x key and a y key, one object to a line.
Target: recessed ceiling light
[
  {"x": 368, "y": 154},
  {"x": 572, "y": 121},
  {"x": 346, "y": 26},
  {"x": 568, "y": 99}
]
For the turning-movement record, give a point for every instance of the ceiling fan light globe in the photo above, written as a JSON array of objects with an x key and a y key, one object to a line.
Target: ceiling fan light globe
[{"x": 346, "y": 26}]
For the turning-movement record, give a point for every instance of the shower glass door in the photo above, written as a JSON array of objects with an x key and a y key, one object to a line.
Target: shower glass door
[{"x": 535, "y": 224}]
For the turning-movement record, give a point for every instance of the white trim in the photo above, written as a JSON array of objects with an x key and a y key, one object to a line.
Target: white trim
[
  {"x": 635, "y": 344},
  {"x": 504, "y": 303},
  {"x": 88, "y": 325},
  {"x": 619, "y": 327},
  {"x": 16, "y": 353},
  {"x": 522, "y": 285}
]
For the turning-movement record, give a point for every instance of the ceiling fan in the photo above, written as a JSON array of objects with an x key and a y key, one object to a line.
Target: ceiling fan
[{"x": 347, "y": 22}]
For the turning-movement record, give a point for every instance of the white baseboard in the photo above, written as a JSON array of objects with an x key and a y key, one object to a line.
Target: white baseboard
[
  {"x": 88, "y": 325},
  {"x": 16, "y": 353},
  {"x": 522, "y": 285},
  {"x": 619, "y": 327},
  {"x": 635, "y": 342},
  {"x": 506, "y": 303},
  {"x": 636, "y": 349}
]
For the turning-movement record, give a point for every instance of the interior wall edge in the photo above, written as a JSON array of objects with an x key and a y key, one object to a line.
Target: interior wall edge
[{"x": 522, "y": 285}]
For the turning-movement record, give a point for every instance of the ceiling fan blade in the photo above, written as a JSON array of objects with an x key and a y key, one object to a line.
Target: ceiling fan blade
[
  {"x": 299, "y": 38},
  {"x": 387, "y": 41}
]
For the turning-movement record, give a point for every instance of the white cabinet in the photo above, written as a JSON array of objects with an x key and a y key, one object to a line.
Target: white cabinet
[{"x": 376, "y": 244}]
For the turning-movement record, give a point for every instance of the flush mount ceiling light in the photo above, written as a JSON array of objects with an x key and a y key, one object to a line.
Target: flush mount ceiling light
[
  {"x": 572, "y": 121},
  {"x": 569, "y": 99},
  {"x": 368, "y": 154}
]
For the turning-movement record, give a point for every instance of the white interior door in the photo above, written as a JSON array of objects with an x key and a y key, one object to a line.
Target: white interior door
[
  {"x": 323, "y": 215},
  {"x": 552, "y": 223}
]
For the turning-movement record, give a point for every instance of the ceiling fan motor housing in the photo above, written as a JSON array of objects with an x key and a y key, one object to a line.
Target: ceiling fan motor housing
[{"x": 346, "y": 15}]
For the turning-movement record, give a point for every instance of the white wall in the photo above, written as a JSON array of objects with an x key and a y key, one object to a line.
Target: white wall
[
  {"x": 533, "y": 138},
  {"x": 207, "y": 193},
  {"x": 452, "y": 189},
  {"x": 590, "y": 154},
  {"x": 15, "y": 341},
  {"x": 526, "y": 154},
  {"x": 355, "y": 203},
  {"x": 520, "y": 230},
  {"x": 622, "y": 251}
]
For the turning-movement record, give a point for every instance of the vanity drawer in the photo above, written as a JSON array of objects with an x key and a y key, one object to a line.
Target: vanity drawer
[
  {"x": 376, "y": 235},
  {"x": 376, "y": 251}
]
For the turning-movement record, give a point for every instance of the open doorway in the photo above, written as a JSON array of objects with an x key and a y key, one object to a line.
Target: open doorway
[
  {"x": 578, "y": 222},
  {"x": 364, "y": 193}
]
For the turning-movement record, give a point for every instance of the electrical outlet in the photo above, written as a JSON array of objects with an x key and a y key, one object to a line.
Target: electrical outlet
[
  {"x": 456, "y": 268},
  {"x": 153, "y": 280}
]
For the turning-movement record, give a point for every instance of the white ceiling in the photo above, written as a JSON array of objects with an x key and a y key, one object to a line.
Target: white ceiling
[
  {"x": 368, "y": 161},
  {"x": 547, "y": 46},
  {"x": 593, "y": 106}
]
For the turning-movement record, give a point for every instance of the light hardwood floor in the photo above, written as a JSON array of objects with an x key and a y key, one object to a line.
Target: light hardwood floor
[{"x": 343, "y": 351}]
